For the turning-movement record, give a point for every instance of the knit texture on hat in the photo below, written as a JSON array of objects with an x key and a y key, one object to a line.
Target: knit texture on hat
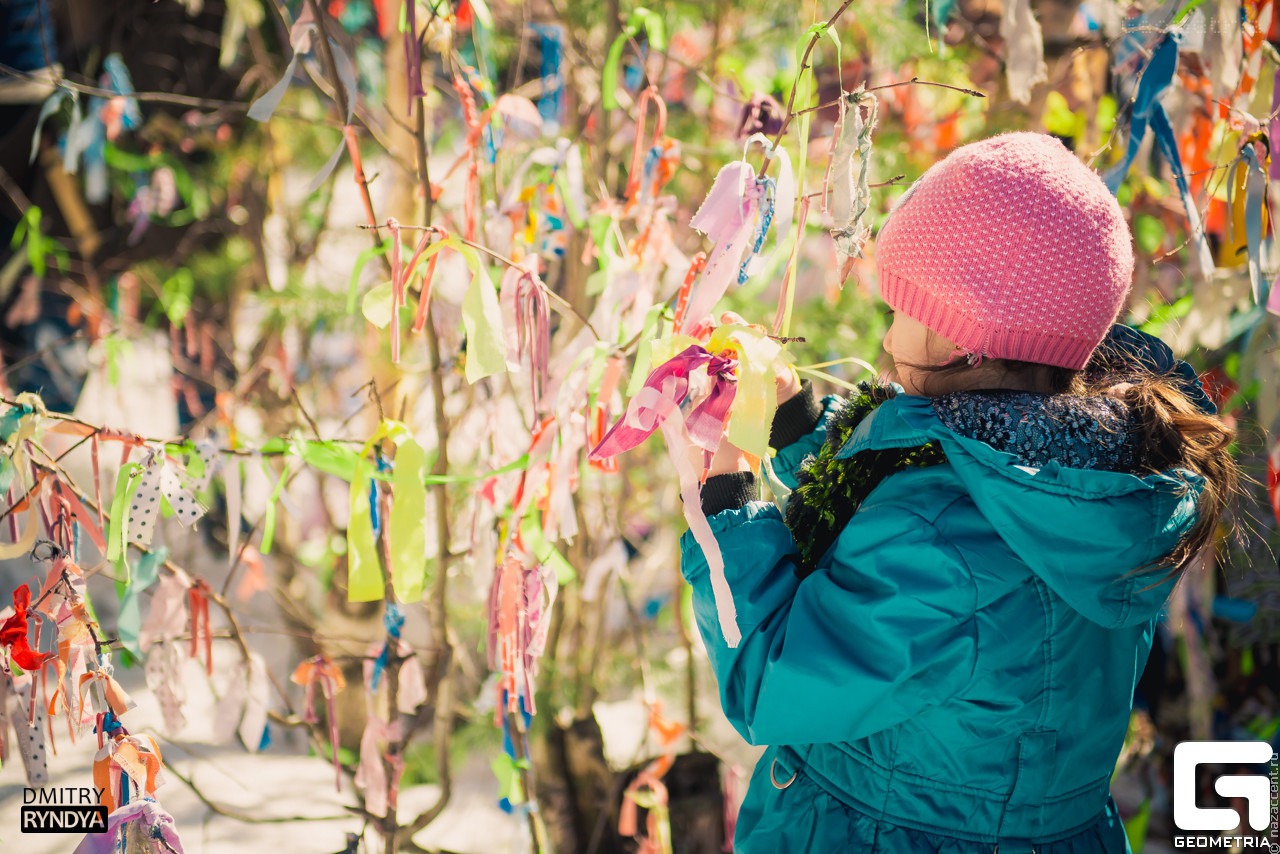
[{"x": 1012, "y": 248}]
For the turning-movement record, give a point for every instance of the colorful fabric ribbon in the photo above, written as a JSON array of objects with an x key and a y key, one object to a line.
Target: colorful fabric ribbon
[
  {"x": 159, "y": 477},
  {"x": 14, "y": 634},
  {"x": 740, "y": 362},
  {"x": 122, "y": 758},
  {"x": 132, "y": 824},
  {"x": 380, "y": 790},
  {"x": 301, "y": 39},
  {"x": 551, "y": 49},
  {"x": 657, "y": 405},
  {"x": 1253, "y": 201},
  {"x": 647, "y": 789},
  {"x": 201, "y": 635},
  {"x": 521, "y": 594},
  {"x": 107, "y": 694},
  {"x": 670, "y": 381},
  {"x": 320, "y": 670},
  {"x": 1147, "y": 111},
  {"x": 638, "y": 148},
  {"x": 527, "y": 321},
  {"x": 1024, "y": 49},
  {"x": 850, "y": 191},
  {"x": 736, "y": 216}
]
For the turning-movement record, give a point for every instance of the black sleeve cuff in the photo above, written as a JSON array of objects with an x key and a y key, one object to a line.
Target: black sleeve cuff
[
  {"x": 796, "y": 418},
  {"x": 728, "y": 492}
]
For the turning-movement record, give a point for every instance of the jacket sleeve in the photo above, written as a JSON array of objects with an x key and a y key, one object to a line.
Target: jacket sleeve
[
  {"x": 799, "y": 429},
  {"x": 884, "y": 632}
]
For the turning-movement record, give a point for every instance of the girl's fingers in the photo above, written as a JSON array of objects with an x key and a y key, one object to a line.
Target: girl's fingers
[
  {"x": 786, "y": 380},
  {"x": 787, "y": 384}
]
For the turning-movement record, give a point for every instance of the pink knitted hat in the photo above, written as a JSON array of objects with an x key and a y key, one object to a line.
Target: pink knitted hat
[{"x": 1012, "y": 248}]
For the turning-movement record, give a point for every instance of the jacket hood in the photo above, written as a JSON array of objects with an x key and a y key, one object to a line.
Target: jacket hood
[{"x": 1079, "y": 526}]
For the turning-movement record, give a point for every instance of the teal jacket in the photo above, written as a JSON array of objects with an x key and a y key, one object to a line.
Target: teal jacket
[{"x": 959, "y": 670}]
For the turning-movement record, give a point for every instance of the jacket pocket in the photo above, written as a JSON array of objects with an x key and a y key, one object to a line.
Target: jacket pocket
[{"x": 1037, "y": 752}]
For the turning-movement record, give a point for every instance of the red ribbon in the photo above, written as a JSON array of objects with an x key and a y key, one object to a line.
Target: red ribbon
[
  {"x": 686, "y": 287},
  {"x": 638, "y": 149},
  {"x": 198, "y": 595},
  {"x": 420, "y": 318},
  {"x": 471, "y": 117},
  {"x": 1273, "y": 479},
  {"x": 13, "y": 634}
]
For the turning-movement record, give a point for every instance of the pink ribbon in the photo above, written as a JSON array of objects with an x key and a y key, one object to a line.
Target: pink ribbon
[
  {"x": 320, "y": 670},
  {"x": 379, "y": 791},
  {"x": 523, "y": 297},
  {"x": 727, "y": 218},
  {"x": 669, "y": 382},
  {"x": 657, "y": 406},
  {"x": 680, "y": 446},
  {"x": 730, "y": 806}
]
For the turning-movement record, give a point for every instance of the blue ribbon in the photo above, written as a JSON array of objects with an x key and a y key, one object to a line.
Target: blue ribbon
[
  {"x": 11, "y": 420},
  {"x": 551, "y": 46},
  {"x": 1147, "y": 111},
  {"x": 110, "y": 723},
  {"x": 1255, "y": 189},
  {"x": 1156, "y": 77},
  {"x": 508, "y": 746},
  {"x": 384, "y": 466},
  {"x": 1235, "y": 610},
  {"x": 393, "y": 622},
  {"x": 767, "y": 205}
]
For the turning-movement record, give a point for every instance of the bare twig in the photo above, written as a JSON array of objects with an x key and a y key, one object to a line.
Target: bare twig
[
  {"x": 804, "y": 66},
  {"x": 914, "y": 81},
  {"x": 310, "y": 421},
  {"x": 439, "y": 680}
]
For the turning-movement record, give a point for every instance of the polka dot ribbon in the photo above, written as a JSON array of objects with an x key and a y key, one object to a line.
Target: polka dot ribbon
[{"x": 161, "y": 476}]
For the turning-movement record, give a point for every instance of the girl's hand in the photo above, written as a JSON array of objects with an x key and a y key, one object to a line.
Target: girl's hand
[
  {"x": 786, "y": 380},
  {"x": 727, "y": 459}
]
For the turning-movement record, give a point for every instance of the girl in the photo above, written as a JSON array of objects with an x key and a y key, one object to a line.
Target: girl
[{"x": 941, "y": 636}]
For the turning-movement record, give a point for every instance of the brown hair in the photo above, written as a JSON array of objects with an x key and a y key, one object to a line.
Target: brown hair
[{"x": 1171, "y": 432}]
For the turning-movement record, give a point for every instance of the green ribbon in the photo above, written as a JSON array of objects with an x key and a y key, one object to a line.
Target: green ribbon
[
  {"x": 407, "y": 527},
  {"x": 803, "y": 90},
  {"x": 269, "y": 515},
  {"x": 129, "y": 620},
  {"x": 118, "y": 526},
  {"x": 641, "y": 19},
  {"x": 535, "y": 539},
  {"x": 353, "y": 289},
  {"x": 364, "y": 575},
  {"x": 644, "y": 352},
  {"x": 482, "y": 319}
]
